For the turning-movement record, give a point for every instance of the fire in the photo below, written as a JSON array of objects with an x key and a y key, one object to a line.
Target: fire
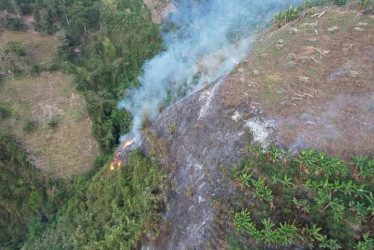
[
  {"x": 117, "y": 159},
  {"x": 128, "y": 143}
]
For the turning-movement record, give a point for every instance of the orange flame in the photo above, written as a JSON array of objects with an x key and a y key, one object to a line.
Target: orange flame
[
  {"x": 128, "y": 143},
  {"x": 117, "y": 161}
]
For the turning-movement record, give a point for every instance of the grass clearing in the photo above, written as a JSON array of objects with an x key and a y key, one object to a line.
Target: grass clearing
[
  {"x": 39, "y": 49},
  {"x": 66, "y": 149}
]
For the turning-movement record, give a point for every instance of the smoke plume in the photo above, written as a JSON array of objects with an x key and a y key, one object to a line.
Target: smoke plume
[{"x": 203, "y": 41}]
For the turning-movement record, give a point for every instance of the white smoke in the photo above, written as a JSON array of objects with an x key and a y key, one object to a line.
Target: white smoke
[{"x": 203, "y": 41}]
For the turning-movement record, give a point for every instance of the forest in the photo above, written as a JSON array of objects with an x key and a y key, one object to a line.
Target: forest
[{"x": 104, "y": 44}]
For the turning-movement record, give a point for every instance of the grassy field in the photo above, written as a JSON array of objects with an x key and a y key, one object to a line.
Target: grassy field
[
  {"x": 39, "y": 49},
  {"x": 45, "y": 113},
  {"x": 310, "y": 73}
]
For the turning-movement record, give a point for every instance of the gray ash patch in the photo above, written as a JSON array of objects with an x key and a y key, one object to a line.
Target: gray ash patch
[{"x": 207, "y": 143}]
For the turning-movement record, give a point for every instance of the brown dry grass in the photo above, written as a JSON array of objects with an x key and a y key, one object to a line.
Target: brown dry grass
[
  {"x": 66, "y": 150},
  {"x": 39, "y": 49},
  {"x": 285, "y": 65}
]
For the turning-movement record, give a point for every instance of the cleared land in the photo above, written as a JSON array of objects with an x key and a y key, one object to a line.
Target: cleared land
[
  {"x": 45, "y": 113},
  {"x": 315, "y": 78}
]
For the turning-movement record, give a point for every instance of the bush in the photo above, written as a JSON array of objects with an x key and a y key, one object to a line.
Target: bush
[
  {"x": 15, "y": 47},
  {"x": 340, "y": 2},
  {"x": 364, "y": 3},
  {"x": 36, "y": 69},
  {"x": 5, "y": 112},
  {"x": 29, "y": 126},
  {"x": 53, "y": 122},
  {"x": 14, "y": 23}
]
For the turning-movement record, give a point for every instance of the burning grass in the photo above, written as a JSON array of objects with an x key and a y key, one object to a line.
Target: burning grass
[{"x": 62, "y": 150}]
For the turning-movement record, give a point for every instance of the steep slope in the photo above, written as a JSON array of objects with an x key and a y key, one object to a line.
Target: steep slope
[
  {"x": 314, "y": 78},
  {"x": 306, "y": 85},
  {"x": 44, "y": 112}
]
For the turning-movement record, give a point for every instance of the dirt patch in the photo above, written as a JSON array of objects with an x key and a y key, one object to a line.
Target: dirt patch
[
  {"x": 315, "y": 81},
  {"x": 61, "y": 142},
  {"x": 159, "y": 9}
]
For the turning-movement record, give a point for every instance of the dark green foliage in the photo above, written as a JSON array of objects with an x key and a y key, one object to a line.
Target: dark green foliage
[
  {"x": 29, "y": 126},
  {"x": 14, "y": 23},
  {"x": 5, "y": 112},
  {"x": 340, "y": 2},
  {"x": 25, "y": 195},
  {"x": 364, "y": 3},
  {"x": 15, "y": 48},
  {"x": 311, "y": 188},
  {"x": 111, "y": 211},
  {"x": 53, "y": 122}
]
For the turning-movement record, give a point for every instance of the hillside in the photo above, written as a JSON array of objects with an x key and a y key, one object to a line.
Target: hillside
[
  {"x": 308, "y": 84},
  {"x": 44, "y": 112},
  {"x": 183, "y": 124}
]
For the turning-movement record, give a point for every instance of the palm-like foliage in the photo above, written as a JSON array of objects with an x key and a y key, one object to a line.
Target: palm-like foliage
[
  {"x": 367, "y": 243},
  {"x": 302, "y": 205},
  {"x": 269, "y": 235},
  {"x": 286, "y": 233},
  {"x": 278, "y": 17},
  {"x": 245, "y": 179},
  {"x": 261, "y": 190},
  {"x": 307, "y": 158},
  {"x": 286, "y": 181},
  {"x": 330, "y": 244},
  {"x": 364, "y": 166},
  {"x": 359, "y": 209},
  {"x": 242, "y": 220}
]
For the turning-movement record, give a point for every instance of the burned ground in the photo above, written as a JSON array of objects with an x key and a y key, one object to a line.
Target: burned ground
[
  {"x": 306, "y": 85},
  {"x": 314, "y": 77}
]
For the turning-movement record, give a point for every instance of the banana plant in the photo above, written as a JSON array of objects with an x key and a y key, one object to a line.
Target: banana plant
[
  {"x": 261, "y": 190},
  {"x": 278, "y": 17},
  {"x": 330, "y": 244},
  {"x": 245, "y": 179},
  {"x": 306, "y": 159},
  {"x": 274, "y": 179},
  {"x": 269, "y": 236},
  {"x": 370, "y": 207},
  {"x": 364, "y": 166},
  {"x": 322, "y": 199},
  {"x": 337, "y": 209},
  {"x": 348, "y": 187},
  {"x": 359, "y": 209},
  {"x": 287, "y": 181},
  {"x": 302, "y": 205},
  {"x": 254, "y": 232},
  {"x": 242, "y": 220},
  {"x": 367, "y": 243},
  {"x": 274, "y": 154},
  {"x": 313, "y": 231},
  {"x": 360, "y": 191},
  {"x": 286, "y": 233}
]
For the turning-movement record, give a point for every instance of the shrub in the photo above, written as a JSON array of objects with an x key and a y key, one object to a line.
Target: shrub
[
  {"x": 5, "y": 112},
  {"x": 29, "y": 126},
  {"x": 340, "y": 2},
  {"x": 14, "y": 48},
  {"x": 14, "y": 23},
  {"x": 53, "y": 122},
  {"x": 364, "y": 3},
  {"x": 35, "y": 69}
]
